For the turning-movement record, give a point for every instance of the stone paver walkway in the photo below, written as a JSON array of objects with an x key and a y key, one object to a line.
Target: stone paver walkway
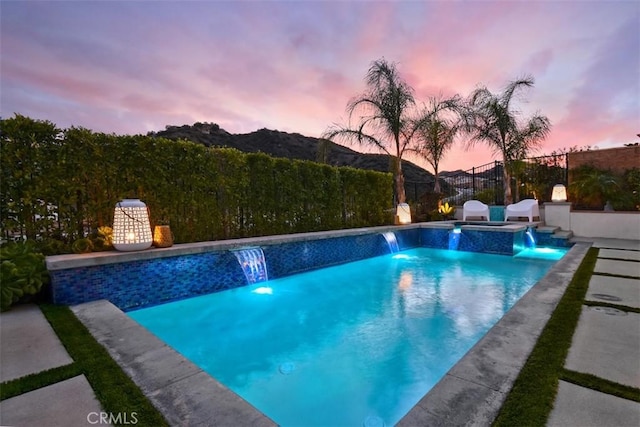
[
  {"x": 606, "y": 342},
  {"x": 30, "y": 346}
]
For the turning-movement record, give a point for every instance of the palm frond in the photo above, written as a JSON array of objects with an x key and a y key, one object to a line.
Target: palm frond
[
  {"x": 353, "y": 137},
  {"x": 512, "y": 87}
]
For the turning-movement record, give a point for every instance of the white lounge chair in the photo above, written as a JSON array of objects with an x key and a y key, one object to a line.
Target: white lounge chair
[
  {"x": 475, "y": 208},
  {"x": 526, "y": 207}
]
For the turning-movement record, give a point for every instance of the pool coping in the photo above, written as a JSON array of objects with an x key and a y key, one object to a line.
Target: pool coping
[
  {"x": 471, "y": 392},
  {"x": 474, "y": 389},
  {"x": 67, "y": 261}
]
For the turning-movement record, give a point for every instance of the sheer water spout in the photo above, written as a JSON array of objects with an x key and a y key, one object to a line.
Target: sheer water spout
[
  {"x": 454, "y": 238},
  {"x": 392, "y": 242},
  {"x": 530, "y": 238},
  {"x": 253, "y": 264}
]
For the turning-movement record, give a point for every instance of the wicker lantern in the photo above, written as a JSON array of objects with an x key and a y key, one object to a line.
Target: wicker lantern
[
  {"x": 559, "y": 193},
  {"x": 162, "y": 236},
  {"x": 403, "y": 214},
  {"x": 131, "y": 226}
]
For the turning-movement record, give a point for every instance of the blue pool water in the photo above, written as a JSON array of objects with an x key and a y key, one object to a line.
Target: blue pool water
[{"x": 352, "y": 345}]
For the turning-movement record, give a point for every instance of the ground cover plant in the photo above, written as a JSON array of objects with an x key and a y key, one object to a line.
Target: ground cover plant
[
  {"x": 22, "y": 272},
  {"x": 529, "y": 403},
  {"x": 531, "y": 399},
  {"x": 116, "y": 392}
]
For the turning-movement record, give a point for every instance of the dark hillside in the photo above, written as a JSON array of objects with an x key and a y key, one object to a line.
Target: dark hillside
[{"x": 296, "y": 146}]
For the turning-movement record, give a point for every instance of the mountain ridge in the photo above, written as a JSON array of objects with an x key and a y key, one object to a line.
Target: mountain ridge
[{"x": 296, "y": 146}]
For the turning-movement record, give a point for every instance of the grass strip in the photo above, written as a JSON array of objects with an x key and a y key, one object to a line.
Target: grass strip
[
  {"x": 32, "y": 382},
  {"x": 531, "y": 399},
  {"x": 600, "y": 384},
  {"x": 117, "y": 393}
]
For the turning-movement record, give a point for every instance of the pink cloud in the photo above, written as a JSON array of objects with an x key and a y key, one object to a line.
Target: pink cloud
[{"x": 124, "y": 67}]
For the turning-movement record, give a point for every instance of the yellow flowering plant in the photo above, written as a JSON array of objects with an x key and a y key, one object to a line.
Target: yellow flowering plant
[{"x": 446, "y": 210}]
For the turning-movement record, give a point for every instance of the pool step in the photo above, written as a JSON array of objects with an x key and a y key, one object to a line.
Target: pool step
[
  {"x": 553, "y": 232},
  {"x": 547, "y": 229},
  {"x": 562, "y": 234}
]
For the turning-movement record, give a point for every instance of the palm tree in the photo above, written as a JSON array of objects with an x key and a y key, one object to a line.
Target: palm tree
[
  {"x": 436, "y": 130},
  {"x": 591, "y": 187},
  {"x": 491, "y": 120},
  {"x": 383, "y": 113}
]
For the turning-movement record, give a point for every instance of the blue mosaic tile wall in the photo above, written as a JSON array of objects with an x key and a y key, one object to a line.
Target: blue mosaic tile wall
[
  {"x": 496, "y": 213},
  {"x": 435, "y": 238},
  {"x": 494, "y": 242},
  {"x": 408, "y": 239},
  {"x": 142, "y": 283},
  {"x": 547, "y": 239},
  {"x": 295, "y": 257}
]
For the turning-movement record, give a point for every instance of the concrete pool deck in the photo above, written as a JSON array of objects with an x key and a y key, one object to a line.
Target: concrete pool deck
[{"x": 471, "y": 393}]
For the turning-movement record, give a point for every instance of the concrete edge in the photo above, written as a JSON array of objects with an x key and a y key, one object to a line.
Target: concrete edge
[
  {"x": 181, "y": 391},
  {"x": 66, "y": 261},
  {"x": 474, "y": 389},
  {"x": 471, "y": 393}
]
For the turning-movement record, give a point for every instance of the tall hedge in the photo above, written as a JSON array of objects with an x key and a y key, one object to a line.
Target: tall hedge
[{"x": 64, "y": 184}]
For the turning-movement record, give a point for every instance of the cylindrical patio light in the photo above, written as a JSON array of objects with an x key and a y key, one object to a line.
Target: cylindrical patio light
[
  {"x": 131, "y": 226},
  {"x": 403, "y": 214},
  {"x": 559, "y": 193}
]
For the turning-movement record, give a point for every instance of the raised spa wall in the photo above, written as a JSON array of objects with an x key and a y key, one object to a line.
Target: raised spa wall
[{"x": 133, "y": 280}]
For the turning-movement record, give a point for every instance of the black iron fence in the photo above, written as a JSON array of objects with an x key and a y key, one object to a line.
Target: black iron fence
[{"x": 530, "y": 178}]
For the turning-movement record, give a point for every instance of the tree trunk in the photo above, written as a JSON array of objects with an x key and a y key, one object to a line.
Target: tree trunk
[
  {"x": 436, "y": 186},
  {"x": 506, "y": 176},
  {"x": 399, "y": 179}
]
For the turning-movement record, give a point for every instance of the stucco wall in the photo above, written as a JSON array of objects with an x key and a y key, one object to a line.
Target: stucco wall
[{"x": 613, "y": 225}]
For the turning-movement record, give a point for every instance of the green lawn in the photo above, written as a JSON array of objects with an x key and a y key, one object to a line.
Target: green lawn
[
  {"x": 531, "y": 400},
  {"x": 116, "y": 392},
  {"x": 528, "y": 404}
]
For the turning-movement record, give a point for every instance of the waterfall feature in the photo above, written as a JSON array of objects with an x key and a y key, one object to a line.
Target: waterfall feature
[
  {"x": 530, "y": 240},
  {"x": 454, "y": 238},
  {"x": 253, "y": 264},
  {"x": 392, "y": 242}
]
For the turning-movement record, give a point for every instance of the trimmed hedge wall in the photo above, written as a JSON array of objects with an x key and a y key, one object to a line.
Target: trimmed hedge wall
[{"x": 64, "y": 184}]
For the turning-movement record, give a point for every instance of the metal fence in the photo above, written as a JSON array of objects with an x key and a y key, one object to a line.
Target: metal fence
[{"x": 530, "y": 178}]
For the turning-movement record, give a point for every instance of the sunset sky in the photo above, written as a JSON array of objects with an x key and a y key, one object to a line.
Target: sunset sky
[{"x": 129, "y": 67}]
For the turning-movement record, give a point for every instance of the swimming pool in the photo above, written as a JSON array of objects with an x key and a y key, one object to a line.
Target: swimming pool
[{"x": 355, "y": 344}]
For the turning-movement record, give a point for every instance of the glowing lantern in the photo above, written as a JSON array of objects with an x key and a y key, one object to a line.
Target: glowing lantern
[
  {"x": 131, "y": 226},
  {"x": 559, "y": 193},
  {"x": 403, "y": 214},
  {"x": 162, "y": 236}
]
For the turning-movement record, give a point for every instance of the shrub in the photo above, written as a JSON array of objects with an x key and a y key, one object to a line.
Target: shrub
[
  {"x": 82, "y": 246},
  {"x": 486, "y": 196},
  {"x": 22, "y": 272},
  {"x": 591, "y": 188},
  {"x": 631, "y": 189},
  {"x": 207, "y": 193}
]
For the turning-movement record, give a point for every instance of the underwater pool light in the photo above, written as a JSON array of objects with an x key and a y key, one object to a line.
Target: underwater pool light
[{"x": 263, "y": 290}]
